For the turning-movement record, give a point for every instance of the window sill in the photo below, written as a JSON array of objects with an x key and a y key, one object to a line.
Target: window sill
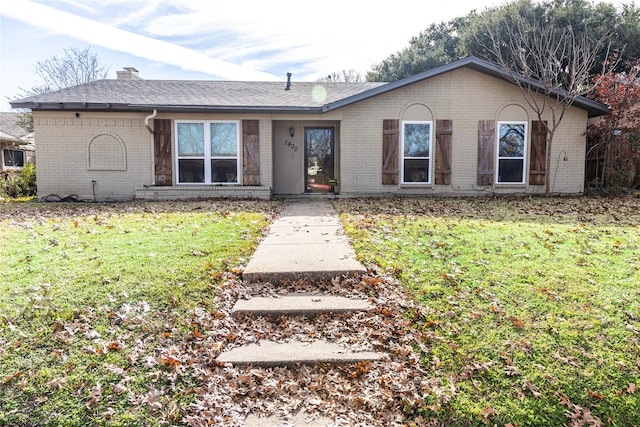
[
  {"x": 411, "y": 186},
  {"x": 204, "y": 184},
  {"x": 506, "y": 185}
]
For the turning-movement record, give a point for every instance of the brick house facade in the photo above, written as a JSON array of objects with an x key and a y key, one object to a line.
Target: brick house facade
[{"x": 459, "y": 129}]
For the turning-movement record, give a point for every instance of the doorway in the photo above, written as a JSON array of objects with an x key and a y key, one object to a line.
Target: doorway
[{"x": 319, "y": 157}]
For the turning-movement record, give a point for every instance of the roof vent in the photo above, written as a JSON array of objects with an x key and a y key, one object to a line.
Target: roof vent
[
  {"x": 288, "y": 86},
  {"x": 129, "y": 73}
]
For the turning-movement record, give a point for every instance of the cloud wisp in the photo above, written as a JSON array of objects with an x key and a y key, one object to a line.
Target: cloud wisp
[{"x": 116, "y": 39}]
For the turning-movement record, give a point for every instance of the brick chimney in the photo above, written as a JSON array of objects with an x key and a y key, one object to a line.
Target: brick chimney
[{"x": 129, "y": 73}]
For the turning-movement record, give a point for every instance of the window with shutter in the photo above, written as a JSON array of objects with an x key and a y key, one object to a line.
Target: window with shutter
[
  {"x": 512, "y": 153},
  {"x": 416, "y": 152},
  {"x": 207, "y": 152}
]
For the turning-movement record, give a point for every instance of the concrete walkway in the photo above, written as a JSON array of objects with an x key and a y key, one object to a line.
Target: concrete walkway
[{"x": 306, "y": 241}]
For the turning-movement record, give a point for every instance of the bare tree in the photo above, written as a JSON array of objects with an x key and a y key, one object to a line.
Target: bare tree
[
  {"x": 25, "y": 118},
  {"x": 76, "y": 67},
  {"x": 348, "y": 76},
  {"x": 550, "y": 62}
]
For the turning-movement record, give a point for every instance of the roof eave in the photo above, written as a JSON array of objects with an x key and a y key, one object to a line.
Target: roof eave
[
  {"x": 84, "y": 106},
  {"x": 250, "y": 109}
]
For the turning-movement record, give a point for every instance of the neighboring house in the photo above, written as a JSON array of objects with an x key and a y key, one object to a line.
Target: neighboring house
[
  {"x": 458, "y": 129},
  {"x": 16, "y": 144}
]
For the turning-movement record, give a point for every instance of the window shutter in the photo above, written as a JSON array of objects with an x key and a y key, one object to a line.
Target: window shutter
[
  {"x": 486, "y": 144},
  {"x": 162, "y": 151},
  {"x": 390, "y": 139},
  {"x": 443, "y": 151},
  {"x": 538, "y": 162},
  {"x": 251, "y": 150}
]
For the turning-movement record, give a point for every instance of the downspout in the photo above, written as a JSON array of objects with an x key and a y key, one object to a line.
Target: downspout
[{"x": 149, "y": 117}]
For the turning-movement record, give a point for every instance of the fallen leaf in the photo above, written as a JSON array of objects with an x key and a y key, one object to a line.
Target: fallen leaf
[
  {"x": 594, "y": 394},
  {"x": 532, "y": 388},
  {"x": 57, "y": 382},
  {"x": 8, "y": 378},
  {"x": 631, "y": 389},
  {"x": 94, "y": 396},
  {"x": 488, "y": 411}
]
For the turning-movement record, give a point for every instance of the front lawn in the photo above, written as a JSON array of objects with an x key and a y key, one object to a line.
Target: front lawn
[
  {"x": 526, "y": 313},
  {"x": 90, "y": 294},
  {"x": 530, "y": 307}
]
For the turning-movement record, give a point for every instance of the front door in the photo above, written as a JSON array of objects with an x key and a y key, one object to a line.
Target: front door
[{"x": 319, "y": 159}]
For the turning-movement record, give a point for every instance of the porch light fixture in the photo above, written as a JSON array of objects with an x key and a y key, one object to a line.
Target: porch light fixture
[{"x": 292, "y": 131}]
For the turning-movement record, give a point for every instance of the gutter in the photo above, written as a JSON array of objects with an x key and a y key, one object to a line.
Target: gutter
[{"x": 101, "y": 107}]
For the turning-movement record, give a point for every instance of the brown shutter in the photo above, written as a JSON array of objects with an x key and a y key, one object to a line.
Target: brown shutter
[
  {"x": 538, "y": 161},
  {"x": 162, "y": 151},
  {"x": 443, "y": 151},
  {"x": 486, "y": 144},
  {"x": 390, "y": 140},
  {"x": 251, "y": 150}
]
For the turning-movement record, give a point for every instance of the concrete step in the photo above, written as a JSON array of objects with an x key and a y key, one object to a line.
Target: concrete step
[
  {"x": 268, "y": 354},
  {"x": 274, "y": 263},
  {"x": 300, "y": 305},
  {"x": 307, "y": 242}
]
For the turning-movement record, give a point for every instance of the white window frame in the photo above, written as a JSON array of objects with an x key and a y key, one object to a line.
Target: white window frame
[
  {"x": 12, "y": 167},
  {"x": 207, "y": 153},
  {"x": 525, "y": 150},
  {"x": 431, "y": 154}
]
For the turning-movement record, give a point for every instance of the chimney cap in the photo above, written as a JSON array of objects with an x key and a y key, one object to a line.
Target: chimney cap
[{"x": 129, "y": 73}]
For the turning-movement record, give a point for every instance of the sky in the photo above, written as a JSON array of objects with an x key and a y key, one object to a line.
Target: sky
[{"x": 215, "y": 40}]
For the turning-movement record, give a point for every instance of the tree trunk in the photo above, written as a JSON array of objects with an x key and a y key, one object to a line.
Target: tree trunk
[{"x": 547, "y": 177}]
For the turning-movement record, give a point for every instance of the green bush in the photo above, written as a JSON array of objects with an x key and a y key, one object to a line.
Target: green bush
[{"x": 22, "y": 184}]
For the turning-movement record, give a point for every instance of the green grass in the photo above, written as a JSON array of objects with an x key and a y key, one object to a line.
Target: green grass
[
  {"x": 89, "y": 292},
  {"x": 530, "y": 307},
  {"x": 528, "y": 314}
]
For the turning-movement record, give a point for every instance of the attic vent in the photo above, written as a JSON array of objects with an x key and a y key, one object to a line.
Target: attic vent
[
  {"x": 129, "y": 73},
  {"x": 288, "y": 86}
]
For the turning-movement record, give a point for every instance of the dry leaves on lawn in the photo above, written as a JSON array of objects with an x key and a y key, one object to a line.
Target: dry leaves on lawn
[{"x": 379, "y": 393}]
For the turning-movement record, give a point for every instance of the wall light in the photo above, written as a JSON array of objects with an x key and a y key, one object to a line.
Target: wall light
[{"x": 292, "y": 131}]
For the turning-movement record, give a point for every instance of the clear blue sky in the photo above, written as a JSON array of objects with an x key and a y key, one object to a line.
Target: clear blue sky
[{"x": 212, "y": 39}]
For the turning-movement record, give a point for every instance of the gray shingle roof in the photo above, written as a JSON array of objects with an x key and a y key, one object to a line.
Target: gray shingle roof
[
  {"x": 202, "y": 95},
  {"x": 9, "y": 128},
  {"x": 196, "y": 94}
]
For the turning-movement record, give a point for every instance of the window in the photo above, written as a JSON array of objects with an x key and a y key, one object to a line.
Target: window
[
  {"x": 13, "y": 158},
  {"x": 512, "y": 149},
  {"x": 416, "y": 152},
  {"x": 207, "y": 152}
]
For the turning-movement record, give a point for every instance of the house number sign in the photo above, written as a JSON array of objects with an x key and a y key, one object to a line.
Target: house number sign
[{"x": 291, "y": 145}]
